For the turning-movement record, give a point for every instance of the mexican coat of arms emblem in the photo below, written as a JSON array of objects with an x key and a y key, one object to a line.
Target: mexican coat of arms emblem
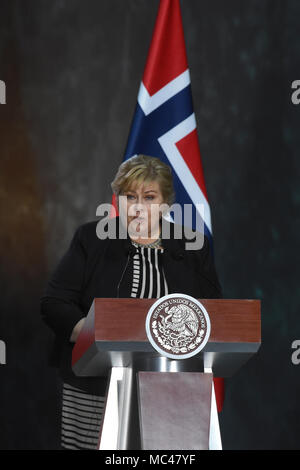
[{"x": 178, "y": 326}]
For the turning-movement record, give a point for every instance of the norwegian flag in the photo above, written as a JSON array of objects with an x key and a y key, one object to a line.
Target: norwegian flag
[{"x": 164, "y": 123}]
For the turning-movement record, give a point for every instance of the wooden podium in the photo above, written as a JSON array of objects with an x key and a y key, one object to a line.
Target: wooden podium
[{"x": 155, "y": 402}]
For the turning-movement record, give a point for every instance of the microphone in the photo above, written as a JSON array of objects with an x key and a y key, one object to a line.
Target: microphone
[{"x": 130, "y": 251}]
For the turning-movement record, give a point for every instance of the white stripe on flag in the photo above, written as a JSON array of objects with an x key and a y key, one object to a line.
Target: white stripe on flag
[
  {"x": 168, "y": 143},
  {"x": 150, "y": 103}
]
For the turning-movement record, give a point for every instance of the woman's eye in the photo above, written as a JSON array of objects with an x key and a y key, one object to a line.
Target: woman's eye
[
  {"x": 130, "y": 197},
  {"x": 149, "y": 198}
]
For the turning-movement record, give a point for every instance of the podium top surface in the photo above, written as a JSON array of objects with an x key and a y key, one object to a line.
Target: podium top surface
[
  {"x": 115, "y": 328},
  {"x": 124, "y": 319}
]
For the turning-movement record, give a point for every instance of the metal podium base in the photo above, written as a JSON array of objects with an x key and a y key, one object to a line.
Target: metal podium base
[{"x": 121, "y": 430}]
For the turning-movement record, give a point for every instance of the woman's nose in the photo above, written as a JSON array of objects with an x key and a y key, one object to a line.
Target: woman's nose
[{"x": 139, "y": 200}]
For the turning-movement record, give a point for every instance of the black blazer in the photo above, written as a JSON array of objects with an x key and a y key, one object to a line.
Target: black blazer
[{"x": 92, "y": 267}]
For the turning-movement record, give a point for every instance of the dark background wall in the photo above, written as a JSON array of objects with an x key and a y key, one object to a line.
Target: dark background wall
[{"x": 72, "y": 71}]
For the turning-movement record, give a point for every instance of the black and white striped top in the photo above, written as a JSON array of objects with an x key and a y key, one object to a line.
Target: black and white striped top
[
  {"x": 149, "y": 280},
  {"x": 82, "y": 412}
]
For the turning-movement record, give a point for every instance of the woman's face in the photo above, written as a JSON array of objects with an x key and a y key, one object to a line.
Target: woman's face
[{"x": 140, "y": 208}]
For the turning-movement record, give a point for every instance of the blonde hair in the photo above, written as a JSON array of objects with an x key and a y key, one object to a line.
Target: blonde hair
[{"x": 140, "y": 169}]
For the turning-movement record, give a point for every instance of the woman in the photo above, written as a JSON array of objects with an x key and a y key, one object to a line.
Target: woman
[{"x": 144, "y": 264}]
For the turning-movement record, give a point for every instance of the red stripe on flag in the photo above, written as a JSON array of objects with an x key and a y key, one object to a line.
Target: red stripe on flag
[
  {"x": 219, "y": 392},
  {"x": 114, "y": 212},
  {"x": 189, "y": 149},
  {"x": 167, "y": 56}
]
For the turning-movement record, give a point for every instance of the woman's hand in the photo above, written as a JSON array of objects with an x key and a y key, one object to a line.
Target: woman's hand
[{"x": 76, "y": 330}]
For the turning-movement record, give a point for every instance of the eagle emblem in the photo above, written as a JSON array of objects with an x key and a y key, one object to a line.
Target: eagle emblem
[{"x": 177, "y": 325}]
